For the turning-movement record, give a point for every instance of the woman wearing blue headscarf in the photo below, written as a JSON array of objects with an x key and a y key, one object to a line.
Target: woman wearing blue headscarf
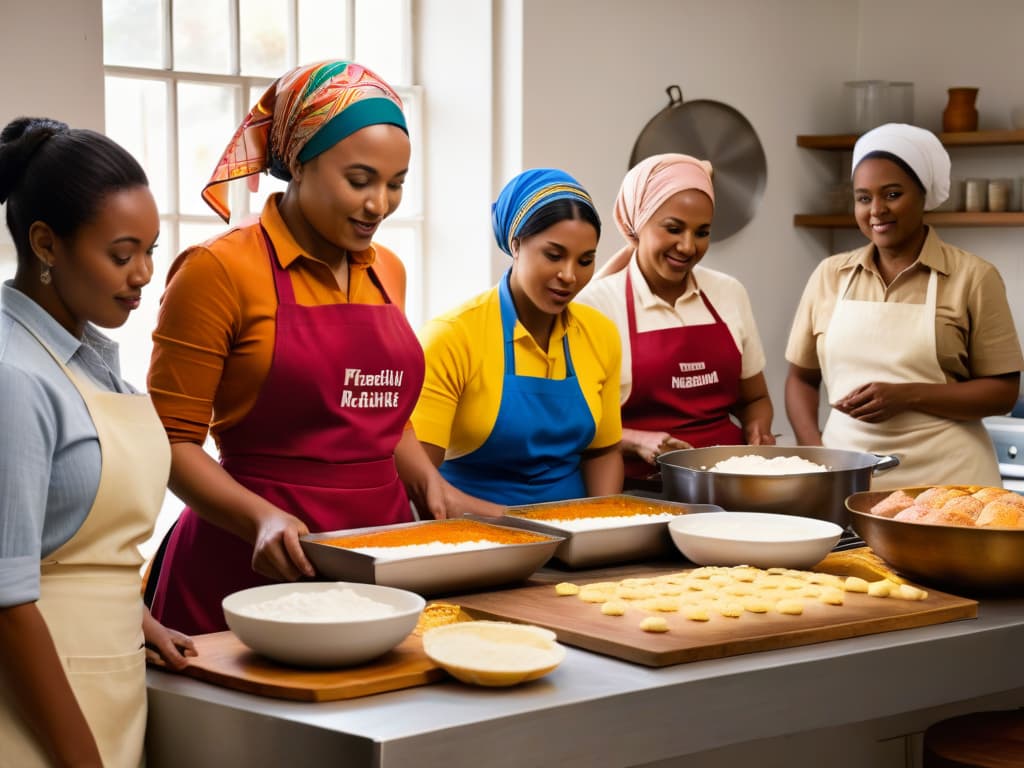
[{"x": 520, "y": 402}]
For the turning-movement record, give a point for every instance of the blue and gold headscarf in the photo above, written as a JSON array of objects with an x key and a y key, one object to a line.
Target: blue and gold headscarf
[{"x": 527, "y": 193}]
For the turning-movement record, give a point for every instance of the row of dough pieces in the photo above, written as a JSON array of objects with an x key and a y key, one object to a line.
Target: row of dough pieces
[{"x": 729, "y": 592}]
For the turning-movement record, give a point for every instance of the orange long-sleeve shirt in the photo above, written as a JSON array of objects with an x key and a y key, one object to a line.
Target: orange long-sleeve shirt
[{"x": 214, "y": 339}]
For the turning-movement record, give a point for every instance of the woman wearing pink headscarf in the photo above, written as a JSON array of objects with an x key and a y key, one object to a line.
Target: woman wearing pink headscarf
[{"x": 692, "y": 361}]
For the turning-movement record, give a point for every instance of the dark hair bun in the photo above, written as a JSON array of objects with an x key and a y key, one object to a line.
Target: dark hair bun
[{"x": 19, "y": 140}]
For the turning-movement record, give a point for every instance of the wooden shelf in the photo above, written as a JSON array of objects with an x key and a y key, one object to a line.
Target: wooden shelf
[
  {"x": 845, "y": 142},
  {"x": 939, "y": 219}
]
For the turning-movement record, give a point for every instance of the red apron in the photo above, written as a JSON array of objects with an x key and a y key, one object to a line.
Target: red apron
[
  {"x": 685, "y": 381},
  {"x": 319, "y": 443}
]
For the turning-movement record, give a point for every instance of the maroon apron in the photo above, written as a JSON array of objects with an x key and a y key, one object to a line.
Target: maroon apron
[
  {"x": 319, "y": 443},
  {"x": 685, "y": 381}
]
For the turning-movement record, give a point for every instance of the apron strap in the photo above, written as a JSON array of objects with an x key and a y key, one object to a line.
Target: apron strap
[{"x": 508, "y": 324}]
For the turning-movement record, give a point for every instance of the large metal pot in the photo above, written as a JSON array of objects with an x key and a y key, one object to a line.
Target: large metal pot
[
  {"x": 956, "y": 558},
  {"x": 686, "y": 476}
]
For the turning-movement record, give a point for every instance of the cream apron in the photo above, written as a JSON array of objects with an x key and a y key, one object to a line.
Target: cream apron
[
  {"x": 892, "y": 342},
  {"x": 90, "y": 586}
]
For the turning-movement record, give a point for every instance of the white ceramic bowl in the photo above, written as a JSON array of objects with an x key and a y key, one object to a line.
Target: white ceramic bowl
[
  {"x": 761, "y": 539},
  {"x": 493, "y": 653},
  {"x": 330, "y": 643}
]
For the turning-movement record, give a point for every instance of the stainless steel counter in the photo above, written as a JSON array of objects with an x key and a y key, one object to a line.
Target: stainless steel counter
[{"x": 595, "y": 711}]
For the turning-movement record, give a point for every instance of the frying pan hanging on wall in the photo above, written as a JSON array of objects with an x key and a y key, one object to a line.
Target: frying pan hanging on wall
[{"x": 711, "y": 130}]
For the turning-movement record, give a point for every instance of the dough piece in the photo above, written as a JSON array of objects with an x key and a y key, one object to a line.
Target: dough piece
[
  {"x": 937, "y": 496},
  {"x": 613, "y": 608},
  {"x": 654, "y": 624},
  {"x": 790, "y": 606},
  {"x": 731, "y": 610},
  {"x": 565, "y": 588},
  {"x": 999, "y": 514},
  {"x": 895, "y": 502},
  {"x": 666, "y": 604},
  {"x": 908, "y": 592},
  {"x": 696, "y": 613},
  {"x": 832, "y": 596},
  {"x": 756, "y": 605},
  {"x": 593, "y": 595},
  {"x": 855, "y": 584},
  {"x": 881, "y": 588}
]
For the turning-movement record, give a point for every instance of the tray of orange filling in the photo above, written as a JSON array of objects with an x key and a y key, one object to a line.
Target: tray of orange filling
[
  {"x": 605, "y": 529},
  {"x": 431, "y": 557}
]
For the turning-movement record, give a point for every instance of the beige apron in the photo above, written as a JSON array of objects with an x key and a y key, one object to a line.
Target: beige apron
[
  {"x": 893, "y": 342},
  {"x": 89, "y": 592}
]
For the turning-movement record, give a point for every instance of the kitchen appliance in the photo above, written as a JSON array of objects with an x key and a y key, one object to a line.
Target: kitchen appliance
[
  {"x": 1007, "y": 433},
  {"x": 711, "y": 130},
  {"x": 686, "y": 476}
]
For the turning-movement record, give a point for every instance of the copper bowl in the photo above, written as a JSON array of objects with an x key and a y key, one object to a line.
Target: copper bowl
[{"x": 959, "y": 559}]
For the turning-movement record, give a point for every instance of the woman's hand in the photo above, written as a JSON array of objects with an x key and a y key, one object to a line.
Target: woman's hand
[
  {"x": 755, "y": 435},
  {"x": 167, "y": 645},
  {"x": 277, "y": 553},
  {"x": 649, "y": 445},
  {"x": 874, "y": 402}
]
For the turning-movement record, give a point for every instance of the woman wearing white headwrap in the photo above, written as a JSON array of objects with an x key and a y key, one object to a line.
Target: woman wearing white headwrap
[{"x": 912, "y": 337}]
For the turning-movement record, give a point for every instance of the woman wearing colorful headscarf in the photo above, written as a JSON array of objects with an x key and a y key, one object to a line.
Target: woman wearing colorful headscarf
[
  {"x": 692, "y": 361},
  {"x": 912, "y": 337},
  {"x": 520, "y": 402},
  {"x": 286, "y": 340}
]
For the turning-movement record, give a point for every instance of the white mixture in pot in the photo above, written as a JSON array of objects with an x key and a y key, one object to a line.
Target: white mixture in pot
[
  {"x": 759, "y": 465},
  {"x": 328, "y": 605}
]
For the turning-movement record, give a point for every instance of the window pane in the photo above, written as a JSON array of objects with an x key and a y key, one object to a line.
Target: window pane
[
  {"x": 133, "y": 33},
  {"x": 323, "y": 30},
  {"x": 381, "y": 38},
  {"x": 264, "y": 31},
  {"x": 195, "y": 232},
  {"x": 206, "y": 123},
  {"x": 202, "y": 36},
  {"x": 412, "y": 199},
  {"x": 136, "y": 118}
]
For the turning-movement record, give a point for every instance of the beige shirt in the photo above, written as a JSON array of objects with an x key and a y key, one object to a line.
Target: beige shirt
[
  {"x": 726, "y": 294},
  {"x": 974, "y": 330}
]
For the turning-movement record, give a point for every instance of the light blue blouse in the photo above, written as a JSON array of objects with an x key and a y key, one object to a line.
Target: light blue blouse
[{"x": 49, "y": 451}]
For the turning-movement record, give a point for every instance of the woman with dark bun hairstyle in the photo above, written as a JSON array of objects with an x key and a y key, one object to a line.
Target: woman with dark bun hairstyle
[{"x": 84, "y": 460}]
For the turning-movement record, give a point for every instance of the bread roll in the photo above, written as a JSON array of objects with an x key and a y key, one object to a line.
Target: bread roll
[
  {"x": 968, "y": 505},
  {"x": 893, "y": 504},
  {"x": 914, "y": 514},
  {"x": 988, "y": 494},
  {"x": 947, "y": 517},
  {"x": 937, "y": 496},
  {"x": 1013, "y": 498},
  {"x": 999, "y": 514}
]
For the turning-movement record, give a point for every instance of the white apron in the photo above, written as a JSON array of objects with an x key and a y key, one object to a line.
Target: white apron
[
  {"x": 895, "y": 343},
  {"x": 90, "y": 587}
]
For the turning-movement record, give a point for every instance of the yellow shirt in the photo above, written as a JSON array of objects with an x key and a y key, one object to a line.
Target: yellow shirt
[
  {"x": 464, "y": 352},
  {"x": 974, "y": 330}
]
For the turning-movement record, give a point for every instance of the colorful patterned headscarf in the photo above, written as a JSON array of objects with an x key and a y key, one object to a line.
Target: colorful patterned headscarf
[
  {"x": 527, "y": 193},
  {"x": 645, "y": 188},
  {"x": 304, "y": 112}
]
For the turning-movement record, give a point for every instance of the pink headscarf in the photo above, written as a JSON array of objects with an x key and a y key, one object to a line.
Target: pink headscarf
[{"x": 645, "y": 189}]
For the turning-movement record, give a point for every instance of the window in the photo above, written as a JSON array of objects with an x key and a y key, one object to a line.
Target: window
[{"x": 181, "y": 76}]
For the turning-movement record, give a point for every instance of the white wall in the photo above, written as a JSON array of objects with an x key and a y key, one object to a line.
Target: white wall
[{"x": 51, "y": 57}]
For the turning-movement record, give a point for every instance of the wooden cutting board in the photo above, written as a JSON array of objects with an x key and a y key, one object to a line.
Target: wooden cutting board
[
  {"x": 583, "y": 625},
  {"x": 223, "y": 660}
]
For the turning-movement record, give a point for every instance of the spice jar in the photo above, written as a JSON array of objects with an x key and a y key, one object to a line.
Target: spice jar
[
  {"x": 999, "y": 195},
  {"x": 975, "y": 194}
]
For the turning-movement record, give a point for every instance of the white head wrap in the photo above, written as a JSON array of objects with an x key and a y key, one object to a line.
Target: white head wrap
[{"x": 918, "y": 148}]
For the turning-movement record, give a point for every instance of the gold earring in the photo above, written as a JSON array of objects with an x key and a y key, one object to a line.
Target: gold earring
[{"x": 44, "y": 276}]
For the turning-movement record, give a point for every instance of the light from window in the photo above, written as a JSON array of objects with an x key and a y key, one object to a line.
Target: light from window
[
  {"x": 381, "y": 38},
  {"x": 136, "y": 114},
  {"x": 264, "y": 34},
  {"x": 206, "y": 121},
  {"x": 202, "y": 36},
  {"x": 133, "y": 33},
  {"x": 323, "y": 31}
]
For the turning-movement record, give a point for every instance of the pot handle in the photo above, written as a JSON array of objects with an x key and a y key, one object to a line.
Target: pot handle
[
  {"x": 675, "y": 95},
  {"x": 884, "y": 463}
]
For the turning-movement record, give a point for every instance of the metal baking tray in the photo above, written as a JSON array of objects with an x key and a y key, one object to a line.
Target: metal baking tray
[
  {"x": 604, "y": 546},
  {"x": 437, "y": 574}
]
